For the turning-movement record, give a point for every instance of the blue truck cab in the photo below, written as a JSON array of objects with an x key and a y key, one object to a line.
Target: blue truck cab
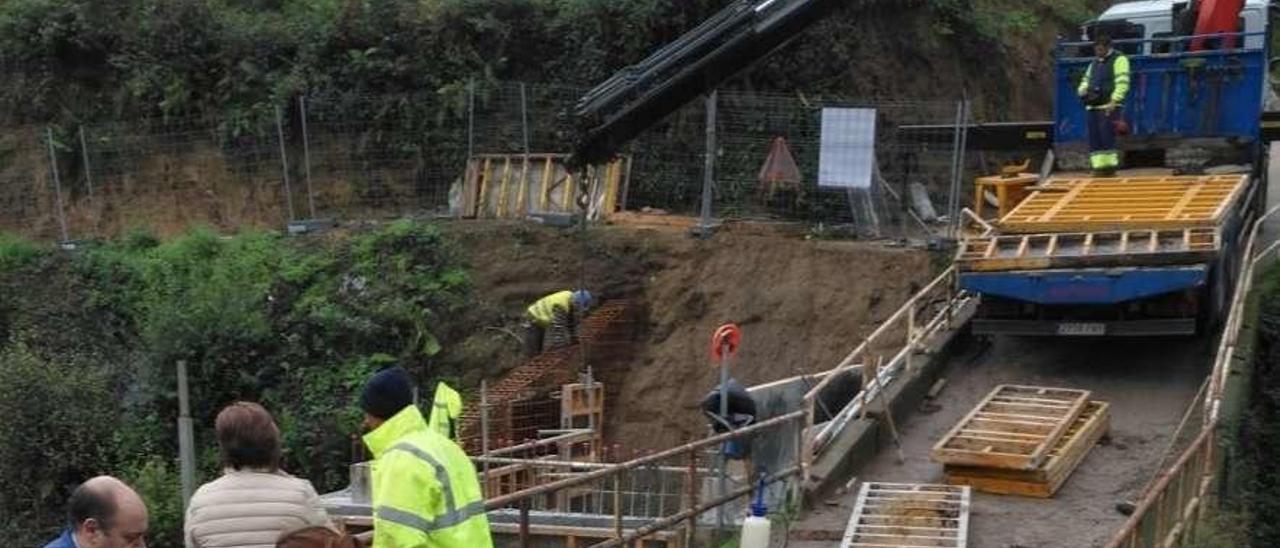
[{"x": 1195, "y": 105}]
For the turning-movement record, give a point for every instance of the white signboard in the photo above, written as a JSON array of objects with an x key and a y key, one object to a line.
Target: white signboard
[{"x": 848, "y": 149}]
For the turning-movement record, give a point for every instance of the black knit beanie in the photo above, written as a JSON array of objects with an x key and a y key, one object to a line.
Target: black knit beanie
[{"x": 387, "y": 393}]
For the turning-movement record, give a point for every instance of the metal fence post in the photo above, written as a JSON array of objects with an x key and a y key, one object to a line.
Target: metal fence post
[
  {"x": 960, "y": 163},
  {"x": 953, "y": 189},
  {"x": 284, "y": 163},
  {"x": 709, "y": 165},
  {"x": 88, "y": 170},
  {"x": 524, "y": 118},
  {"x": 692, "y": 479},
  {"x": 521, "y": 203},
  {"x": 484, "y": 426},
  {"x": 57, "y": 185},
  {"x": 471, "y": 118},
  {"x": 186, "y": 442},
  {"x": 306, "y": 154}
]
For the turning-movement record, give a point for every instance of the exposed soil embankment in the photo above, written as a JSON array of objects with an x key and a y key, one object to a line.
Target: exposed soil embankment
[{"x": 802, "y": 305}]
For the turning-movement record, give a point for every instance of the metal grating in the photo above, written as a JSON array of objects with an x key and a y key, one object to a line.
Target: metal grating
[
  {"x": 1090, "y": 205},
  {"x": 908, "y": 515}
]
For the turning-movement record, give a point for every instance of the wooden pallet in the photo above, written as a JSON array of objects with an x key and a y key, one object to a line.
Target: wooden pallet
[
  {"x": 1045, "y": 481},
  {"x": 1128, "y": 203},
  {"x": 907, "y": 514},
  {"x": 1013, "y": 428},
  {"x": 1088, "y": 249}
]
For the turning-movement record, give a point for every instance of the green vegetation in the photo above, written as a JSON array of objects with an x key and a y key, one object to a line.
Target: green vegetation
[
  {"x": 87, "y": 376},
  {"x": 1250, "y": 473},
  {"x": 86, "y": 60},
  {"x": 1002, "y": 22}
]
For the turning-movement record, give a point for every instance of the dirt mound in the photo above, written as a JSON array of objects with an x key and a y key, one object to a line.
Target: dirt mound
[{"x": 802, "y": 306}]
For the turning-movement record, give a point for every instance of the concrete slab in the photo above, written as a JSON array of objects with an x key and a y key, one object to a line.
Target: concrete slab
[{"x": 1149, "y": 384}]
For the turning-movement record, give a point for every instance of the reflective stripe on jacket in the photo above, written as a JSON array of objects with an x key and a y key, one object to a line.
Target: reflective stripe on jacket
[
  {"x": 544, "y": 311},
  {"x": 1108, "y": 77},
  {"x": 425, "y": 490},
  {"x": 446, "y": 408}
]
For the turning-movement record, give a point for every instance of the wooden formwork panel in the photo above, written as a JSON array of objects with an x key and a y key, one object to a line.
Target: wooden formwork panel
[
  {"x": 908, "y": 514},
  {"x": 1088, "y": 249},
  {"x": 1090, "y": 205},
  {"x": 1045, "y": 481},
  {"x": 1013, "y": 428}
]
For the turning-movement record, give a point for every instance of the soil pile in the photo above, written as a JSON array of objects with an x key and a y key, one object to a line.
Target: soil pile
[{"x": 802, "y": 306}]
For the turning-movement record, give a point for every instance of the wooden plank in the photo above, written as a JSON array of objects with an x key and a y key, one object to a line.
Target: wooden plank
[
  {"x": 471, "y": 188},
  {"x": 1023, "y": 246},
  {"x": 503, "y": 190},
  {"x": 569, "y": 192},
  {"x": 546, "y": 185},
  {"x": 483, "y": 210},
  {"x": 1061, "y": 201},
  {"x": 992, "y": 245},
  {"x": 1186, "y": 199},
  {"x": 958, "y": 447},
  {"x": 1043, "y": 482},
  {"x": 522, "y": 207}
]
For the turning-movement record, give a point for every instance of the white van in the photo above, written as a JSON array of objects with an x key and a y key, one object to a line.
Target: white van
[{"x": 1153, "y": 20}]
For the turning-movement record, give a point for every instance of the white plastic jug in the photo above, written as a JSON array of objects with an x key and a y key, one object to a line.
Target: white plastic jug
[
  {"x": 755, "y": 532},
  {"x": 755, "y": 529}
]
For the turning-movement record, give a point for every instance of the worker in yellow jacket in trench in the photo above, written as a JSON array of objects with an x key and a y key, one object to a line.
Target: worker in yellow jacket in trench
[
  {"x": 425, "y": 490},
  {"x": 558, "y": 315}
]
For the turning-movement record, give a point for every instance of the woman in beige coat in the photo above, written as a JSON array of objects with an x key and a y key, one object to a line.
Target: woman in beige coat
[{"x": 254, "y": 502}]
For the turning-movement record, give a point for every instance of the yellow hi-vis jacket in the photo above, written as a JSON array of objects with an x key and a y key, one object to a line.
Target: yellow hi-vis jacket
[
  {"x": 545, "y": 310},
  {"x": 445, "y": 410},
  {"x": 1112, "y": 78},
  {"x": 425, "y": 490}
]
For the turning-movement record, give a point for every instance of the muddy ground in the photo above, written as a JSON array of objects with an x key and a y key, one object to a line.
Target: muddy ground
[
  {"x": 802, "y": 305},
  {"x": 1149, "y": 384}
]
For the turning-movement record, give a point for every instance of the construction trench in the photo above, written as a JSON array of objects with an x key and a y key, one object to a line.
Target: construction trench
[
  {"x": 826, "y": 440},
  {"x": 546, "y": 463}
]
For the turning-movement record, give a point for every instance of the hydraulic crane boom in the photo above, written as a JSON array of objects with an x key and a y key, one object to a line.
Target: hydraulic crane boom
[{"x": 640, "y": 95}]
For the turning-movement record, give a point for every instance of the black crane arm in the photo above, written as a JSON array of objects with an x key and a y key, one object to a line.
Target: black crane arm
[{"x": 641, "y": 95}]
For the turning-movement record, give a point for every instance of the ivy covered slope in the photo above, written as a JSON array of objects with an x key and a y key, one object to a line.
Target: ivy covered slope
[
  {"x": 71, "y": 61},
  {"x": 91, "y": 339}
]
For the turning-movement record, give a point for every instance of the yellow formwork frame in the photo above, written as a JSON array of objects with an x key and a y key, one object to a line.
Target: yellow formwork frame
[{"x": 1086, "y": 205}]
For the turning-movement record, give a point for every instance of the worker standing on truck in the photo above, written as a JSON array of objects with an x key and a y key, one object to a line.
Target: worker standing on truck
[
  {"x": 558, "y": 313},
  {"x": 425, "y": 490},
  {"x": 1103, "y": 89}
]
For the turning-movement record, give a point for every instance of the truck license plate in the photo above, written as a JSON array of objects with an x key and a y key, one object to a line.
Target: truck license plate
[{"x": 1076, "y": 329}]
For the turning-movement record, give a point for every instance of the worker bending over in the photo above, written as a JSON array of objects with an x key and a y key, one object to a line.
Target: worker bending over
[
  {"x": 425, "y": 490},
  {"x": 558, "y": 313},
  {"x": 1103, "y": 89}
]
